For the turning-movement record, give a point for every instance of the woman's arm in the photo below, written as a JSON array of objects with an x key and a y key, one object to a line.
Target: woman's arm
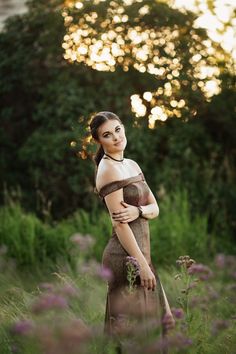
[
  {"x": 151, "y": 210},
  {"x": 130, "y": 212},
  {"x": 123, "y": 231}
]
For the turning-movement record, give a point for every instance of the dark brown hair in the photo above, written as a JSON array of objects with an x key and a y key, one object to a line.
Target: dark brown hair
[{"x": 96, "y": 122}]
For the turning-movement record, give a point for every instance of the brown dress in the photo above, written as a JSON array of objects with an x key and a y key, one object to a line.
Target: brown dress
[{"x": 146, "y": 306}]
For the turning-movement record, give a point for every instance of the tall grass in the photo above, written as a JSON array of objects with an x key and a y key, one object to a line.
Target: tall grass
[
  {"x": 202, "y": 302},
  {"x": 32, "y": 242},
  {"x": 176, "y": 231}
]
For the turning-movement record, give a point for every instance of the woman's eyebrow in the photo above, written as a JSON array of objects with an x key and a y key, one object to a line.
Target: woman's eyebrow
[{"x": 108, "y": 131}]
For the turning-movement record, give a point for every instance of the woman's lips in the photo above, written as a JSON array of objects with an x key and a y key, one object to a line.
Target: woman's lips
[{"x": 119, "y": 143}]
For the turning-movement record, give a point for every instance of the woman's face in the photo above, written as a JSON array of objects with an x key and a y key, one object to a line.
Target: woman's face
[{"x": 111, "y": 135}]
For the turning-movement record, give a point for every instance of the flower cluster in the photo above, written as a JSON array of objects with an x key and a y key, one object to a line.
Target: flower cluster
[
  {"x": 177, "y": 341},
  {"x": 185, "y": 261},
  {"x": 22, "y": 327},
  {"x": 83, "y": 241},
  {"x": 49, "y": 301},
  {"x": 50, "y": 327},
  {"x": 133, "y": 270},
  {"x": 177, "y": 312},
  {"x": 223, "y": 260},
  {"x": 105, "y": 273},
  {"x": 219, "y": 325},
  {"x": 203, "y": 272}
]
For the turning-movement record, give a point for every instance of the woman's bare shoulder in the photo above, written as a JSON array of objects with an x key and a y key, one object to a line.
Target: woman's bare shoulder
[
  {"x": 106, "y": 174},
  {"x": 135, "y": 165}
]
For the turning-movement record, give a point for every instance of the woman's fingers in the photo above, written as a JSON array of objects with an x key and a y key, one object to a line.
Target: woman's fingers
[
  {"x": 153, "y": 283},
  {"x": 144, "y": 283},
  {"x": 123, "y": 219},
  {"x": 150, "y": 284},
  {"x": 148, "y": 280},
  {"x": 125, "y": 213},
  {"x": 120, "y": 216}
]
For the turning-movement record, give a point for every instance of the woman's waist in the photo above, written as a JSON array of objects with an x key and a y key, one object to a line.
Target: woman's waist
[{"x": 114, "y": 245}]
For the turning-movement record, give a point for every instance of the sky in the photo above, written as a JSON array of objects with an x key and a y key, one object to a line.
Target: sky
[
  {"x": 9, "y": 8},
  {"x": 217, "y": 22}
]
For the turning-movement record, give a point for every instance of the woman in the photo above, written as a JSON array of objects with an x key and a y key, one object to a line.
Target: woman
[{"x": 121, "y": 185}]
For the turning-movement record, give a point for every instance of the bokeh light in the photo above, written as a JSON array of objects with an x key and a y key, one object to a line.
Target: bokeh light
[{"x": 106, "y": 37}]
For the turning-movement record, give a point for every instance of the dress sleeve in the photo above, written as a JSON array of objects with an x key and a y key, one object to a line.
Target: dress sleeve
[
  {"x": 115, "y": 185},
  {"x": 112, "y": 187}
]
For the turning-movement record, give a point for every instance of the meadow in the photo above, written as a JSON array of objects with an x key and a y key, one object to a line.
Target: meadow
[{"x": 53, "y": 287}]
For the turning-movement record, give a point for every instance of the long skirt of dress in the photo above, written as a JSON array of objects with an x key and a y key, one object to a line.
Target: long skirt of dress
[{"x": 133, "y": 317}]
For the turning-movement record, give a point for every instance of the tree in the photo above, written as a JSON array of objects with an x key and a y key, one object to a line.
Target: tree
[{"x": 144, "y": 61}]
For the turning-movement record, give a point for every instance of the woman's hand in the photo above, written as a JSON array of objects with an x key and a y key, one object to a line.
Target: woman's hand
[
  {"x": 126, "y": 215},
  {"x": 147, "y": 277}
]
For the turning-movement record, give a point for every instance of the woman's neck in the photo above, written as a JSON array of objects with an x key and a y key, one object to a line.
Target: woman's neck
[{"x": 116, "y": 155}]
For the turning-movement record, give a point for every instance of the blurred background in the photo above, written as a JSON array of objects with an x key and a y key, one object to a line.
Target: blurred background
[{"x": 167, "y": 69}]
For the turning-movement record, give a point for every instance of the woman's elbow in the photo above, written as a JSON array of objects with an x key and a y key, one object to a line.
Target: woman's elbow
[
  {"x": 118, "y": 225},
  {"x": 157, "y": 211}
]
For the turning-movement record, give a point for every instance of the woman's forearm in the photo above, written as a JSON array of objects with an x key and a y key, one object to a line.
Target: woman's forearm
[
  {"x": 150, "y": 211},
  {"x": 128, "y": 241}
]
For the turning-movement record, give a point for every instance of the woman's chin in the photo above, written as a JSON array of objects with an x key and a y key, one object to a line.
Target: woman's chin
[{"x": 121, "y": 146}]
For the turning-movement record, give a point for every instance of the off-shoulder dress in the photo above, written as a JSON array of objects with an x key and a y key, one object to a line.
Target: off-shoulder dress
[{"x": 146, "y": 307}]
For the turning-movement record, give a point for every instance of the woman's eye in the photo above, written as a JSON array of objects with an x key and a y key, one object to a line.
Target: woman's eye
[{"x": 105, "y": 136}]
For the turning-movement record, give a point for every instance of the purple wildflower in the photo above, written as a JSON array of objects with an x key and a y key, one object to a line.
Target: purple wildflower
[
  {"x": 22, "y": 327},
  {"x": 91, "y": 267},
  {"x": 177, "y": 312},
  {"x": 132, "y": 262},
  {"x": 168, "y": 321},
  {"x": 49, "y": 301},
  {"x": 176, "y": 341},
  {"x": 133, "y": 270},
  {"x": 213, "y": 294},
  {"x": 219, "y": 325},
  {"x": 105, "y": 273},
  {"x": 73, "y": 334},
  {"x": 225, "y": 261},
  {"x": 83, "y": 241},
  {"x": 201, "y": 270},
  {"x": 69, "y": 290}
]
